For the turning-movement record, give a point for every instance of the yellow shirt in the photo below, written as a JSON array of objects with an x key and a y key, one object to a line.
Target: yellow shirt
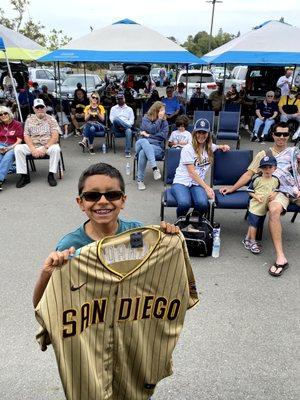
[
  {"x": 262, "y": 187},
  {"x": 254, "y": 166},
  {"x": 283, "y": 101}
]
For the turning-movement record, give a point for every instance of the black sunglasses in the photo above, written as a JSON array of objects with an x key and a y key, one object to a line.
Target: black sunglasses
[
  {"x": 96, "y": 196},
  {"x": 95, "y": 97},
  {"x": 38, "y": 107},
  {"x": 5, "y": 113},
  {"x": 284, "y": 134}
]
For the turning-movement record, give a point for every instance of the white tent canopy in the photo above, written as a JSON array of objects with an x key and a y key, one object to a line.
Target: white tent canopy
[
  {"x": 124, "y": 41},
  {"x": 272, "y": 43}
]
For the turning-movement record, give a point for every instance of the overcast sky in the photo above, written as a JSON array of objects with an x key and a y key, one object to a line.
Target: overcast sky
[{"x": 169, "y": 17}]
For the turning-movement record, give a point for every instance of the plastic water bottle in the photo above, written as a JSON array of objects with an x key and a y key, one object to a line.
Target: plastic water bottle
[
  {"x": 104, "y": 148},
  {"x": 128, "y": 168},
  {"x": 217, "y": 241}
]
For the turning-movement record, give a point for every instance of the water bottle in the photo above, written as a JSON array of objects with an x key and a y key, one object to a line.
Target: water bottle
[
  {"x": 104, "y": 148},
  {"x": 217, "y": 241},
  {"x": 128, "y": 168}
]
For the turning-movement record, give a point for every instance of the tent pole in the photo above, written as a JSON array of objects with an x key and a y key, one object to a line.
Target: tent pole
[
  {"x": 60, "y": 99},
  {"x": 55, "y": 80},
  {"x": 176, "y": 75},
  {"x": 26, "y": 87},
  {"x": 224, "y": 80},
  {"x": 13, "y": 85},
  {"x": 201, "y": 78},
  {"x": 84, "y": 71},
  {"x": 186, "y": 86}
]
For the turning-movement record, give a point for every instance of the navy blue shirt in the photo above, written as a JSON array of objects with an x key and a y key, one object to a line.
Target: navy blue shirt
[{"x": 267, "y": 110}]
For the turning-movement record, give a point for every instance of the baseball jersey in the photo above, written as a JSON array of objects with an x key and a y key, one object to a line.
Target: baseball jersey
[{"x": 114, "y": 314}]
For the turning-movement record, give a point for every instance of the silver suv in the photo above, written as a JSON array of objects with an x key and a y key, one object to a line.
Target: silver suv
[{"x": 43, "y": 77}]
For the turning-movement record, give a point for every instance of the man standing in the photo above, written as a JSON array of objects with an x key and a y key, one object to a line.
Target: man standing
[
  {"x": 284, "y": 82},
  {"x": 41, "y": 135},
  {"x": 288, "y": 173},
  {"x": 122, "y": 119},
  {"x": 266, "y": 112},
  {"x": 217, "y": 98}
]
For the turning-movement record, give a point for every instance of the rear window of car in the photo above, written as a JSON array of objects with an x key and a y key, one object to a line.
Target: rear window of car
[
  {"x": 72, "y": 81},
  {"x": 197, "y": 78}
]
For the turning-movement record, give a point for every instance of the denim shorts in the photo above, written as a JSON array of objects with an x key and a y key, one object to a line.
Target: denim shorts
[{"x": 255, "y": 220}]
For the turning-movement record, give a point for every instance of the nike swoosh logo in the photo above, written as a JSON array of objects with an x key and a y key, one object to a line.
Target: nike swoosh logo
[{"x": 73, "y": 287}]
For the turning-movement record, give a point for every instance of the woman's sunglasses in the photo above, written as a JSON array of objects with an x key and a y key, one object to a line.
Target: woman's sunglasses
[
  {"x": 284, "y": 134},
  {"x": 95, "y": 98},
  {"x": 39, "y": 107},
  {"x": 96, "y": 196},
  {"x": 5, "y": 113}
]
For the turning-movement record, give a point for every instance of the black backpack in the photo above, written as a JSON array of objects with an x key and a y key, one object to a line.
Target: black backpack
[{"x": 198, "y": 234}]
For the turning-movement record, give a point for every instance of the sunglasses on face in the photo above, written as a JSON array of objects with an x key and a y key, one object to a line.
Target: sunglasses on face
[
  {"x": 94, "y": 97},
  {"x": 279, "y": 134},
  {"x": 5, "y": 113},
  {"x": 39, "y": 107},
  {"x": 96, "y": 196}
]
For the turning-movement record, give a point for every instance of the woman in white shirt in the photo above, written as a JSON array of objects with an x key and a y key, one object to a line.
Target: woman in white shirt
[{"x": 189, "y": 186}]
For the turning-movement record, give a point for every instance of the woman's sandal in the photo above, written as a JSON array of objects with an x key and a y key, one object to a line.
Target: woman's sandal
[{"x": 277, "y": 266}]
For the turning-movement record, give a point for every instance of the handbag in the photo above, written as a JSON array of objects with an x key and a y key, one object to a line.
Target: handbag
[{"x": 198, "y": 233}]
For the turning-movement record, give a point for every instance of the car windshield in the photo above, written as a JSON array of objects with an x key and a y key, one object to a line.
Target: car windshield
[
  {"x": 73, "y": 80},
  {"x": 196, "y": 78}
]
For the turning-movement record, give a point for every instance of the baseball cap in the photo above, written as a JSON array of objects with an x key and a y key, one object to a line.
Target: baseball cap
[
  {"x": 267, "y": 161},
  {"x": 38, "y": 102},
  {"x": 120, "y": 95},
  {"x": 202, "y": 125}
]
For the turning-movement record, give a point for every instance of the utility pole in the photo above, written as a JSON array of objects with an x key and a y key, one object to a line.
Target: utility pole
[{"x": 212, "y": 20}]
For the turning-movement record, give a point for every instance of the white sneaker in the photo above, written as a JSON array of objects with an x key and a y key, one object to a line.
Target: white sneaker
[
  {"x": 156, "y": 174},
  {"x": 296, "y": 134},
  {"x": 141, "y": 185},
  {"x": 247, "y": 127}
]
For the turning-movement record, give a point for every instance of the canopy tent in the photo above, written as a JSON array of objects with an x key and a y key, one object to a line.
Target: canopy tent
[
  {"x": 123, "y": 42},
  {"x": 19, "y": 47},
  {"x": 272, "y": 43}
]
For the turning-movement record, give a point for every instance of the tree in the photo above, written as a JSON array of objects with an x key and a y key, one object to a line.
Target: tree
[
  {"x": 33, "y": 30},
  {"x": 198, "y": 44}
]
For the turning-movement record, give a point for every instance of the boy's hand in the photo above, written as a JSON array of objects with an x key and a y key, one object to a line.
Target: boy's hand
[
  {"x": 259, "y": 198},
  {"x": 272, "y": 196},
  {"x": 57, "y": 259},
  {"x": 169, "y": 228}
]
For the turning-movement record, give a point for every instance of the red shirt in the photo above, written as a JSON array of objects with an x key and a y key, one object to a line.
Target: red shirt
[{"x": 11, "y": 132}]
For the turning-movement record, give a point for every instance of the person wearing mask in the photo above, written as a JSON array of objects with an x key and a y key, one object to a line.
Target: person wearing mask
[
  {"x": 77, "y": 110},
  {"x": 289, "y": 107}
]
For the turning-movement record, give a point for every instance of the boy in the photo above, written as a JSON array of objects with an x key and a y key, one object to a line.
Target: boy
[
  {"x": 101, "y": 196},
  {"x": 181, "y": 136},
  {"x": 260, "y": 189}
]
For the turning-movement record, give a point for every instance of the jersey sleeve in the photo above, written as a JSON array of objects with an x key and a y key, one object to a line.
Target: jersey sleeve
[
  {"x": 187, "y": 155},
  {"x": 193, "y": 295}
]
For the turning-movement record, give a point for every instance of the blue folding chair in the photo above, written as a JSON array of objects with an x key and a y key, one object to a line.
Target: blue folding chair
[
  {"x": 209, "y": 115},
  {"x": 228, "y": 127},
  {"x": 227, "y": 168},
  {"x": 172, "y": 158},
  {"x": 233, "y": 107}
]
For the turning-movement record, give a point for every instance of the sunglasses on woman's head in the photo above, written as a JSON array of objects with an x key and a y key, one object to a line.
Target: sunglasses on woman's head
[
  {"x": 96, "y": 196},
  {"x": 4, "y": 113},
  {"x": 284, "y": 134}
]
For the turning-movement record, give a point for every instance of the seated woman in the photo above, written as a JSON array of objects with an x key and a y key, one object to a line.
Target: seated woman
[
  {"x": 11, "y": 134},
  {"x": 94, "y": 118},
  {"x": 151, "y": 145},
  {"x": 189, "y": 186},
  {"x": 180, "y": 137}
]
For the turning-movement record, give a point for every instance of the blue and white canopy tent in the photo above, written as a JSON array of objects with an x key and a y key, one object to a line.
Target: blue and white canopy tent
[
  {"x": 123, "y": 42},
  {"x": 272, "y": 43}
]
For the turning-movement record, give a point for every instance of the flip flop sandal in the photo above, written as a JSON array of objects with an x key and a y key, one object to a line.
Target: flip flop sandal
[
  {"x": 254, "y": 248},
  {"x": 277, "y": 266}
]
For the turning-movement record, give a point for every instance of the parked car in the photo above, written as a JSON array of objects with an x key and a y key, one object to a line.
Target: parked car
[
  {"x": 93, "y": 82},
  {"x": 43, "y": 76},
  {"x": 114, "y": 74},
  {"x": 140, "y": 74},
  {"x": 196, "y": 78},
  {"x": 218, "y": 73},
  {"x": 257, "y": 79}
]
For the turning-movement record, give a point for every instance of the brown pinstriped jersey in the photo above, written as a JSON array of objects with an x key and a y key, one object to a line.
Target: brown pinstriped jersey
[{"x": 114, "y": 314}]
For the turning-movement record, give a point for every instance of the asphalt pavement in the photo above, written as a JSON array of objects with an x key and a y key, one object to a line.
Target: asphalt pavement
[{"x": 240, "y": 343}]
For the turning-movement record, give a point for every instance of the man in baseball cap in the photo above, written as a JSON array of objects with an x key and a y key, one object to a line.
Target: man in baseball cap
[
  {"x": 202, "y": 125},
  {"x": 41, "y": 136}
]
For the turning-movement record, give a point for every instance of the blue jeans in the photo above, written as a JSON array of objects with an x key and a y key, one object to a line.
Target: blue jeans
[
  {"x": 6, "y": 162},
  {"x": 186, "y": 196},
  {"x": 92, "y": 130},
  {"x": 258, "y": 123},
  {"x": 121, "y": 129},
  {"x": 146, "y": 152}
]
